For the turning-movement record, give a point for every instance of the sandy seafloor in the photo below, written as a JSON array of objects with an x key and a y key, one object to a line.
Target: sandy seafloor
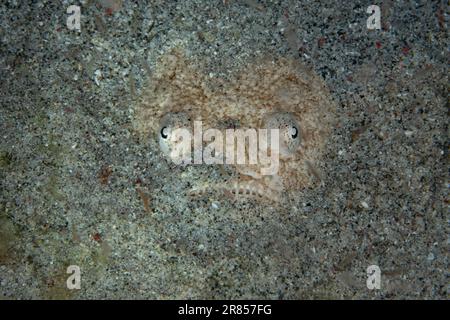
[{"x": 79, "y": 187}]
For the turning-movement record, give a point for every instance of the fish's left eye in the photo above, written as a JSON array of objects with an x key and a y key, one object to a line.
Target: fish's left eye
[{"x": 163, "y": 133}]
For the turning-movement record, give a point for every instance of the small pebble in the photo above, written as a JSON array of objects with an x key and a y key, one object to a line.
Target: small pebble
[{"x": 364, "y": 205}]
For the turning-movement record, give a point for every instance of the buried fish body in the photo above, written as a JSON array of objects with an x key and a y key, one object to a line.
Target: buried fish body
[{"x": 278, "y": 94}]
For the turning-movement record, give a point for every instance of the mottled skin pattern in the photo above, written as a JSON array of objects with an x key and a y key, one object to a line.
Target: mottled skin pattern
[{"x": 266, "y": 93}]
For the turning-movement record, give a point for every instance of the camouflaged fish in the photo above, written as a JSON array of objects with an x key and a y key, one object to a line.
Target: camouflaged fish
[{"x": 271, "y": 93}]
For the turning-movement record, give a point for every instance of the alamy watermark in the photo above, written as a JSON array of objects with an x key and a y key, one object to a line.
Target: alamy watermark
[
  {"x": 234, "y": 146},
  {"x": 73, "y": 21},
  {"x": 74, "y": 280},
  {"x": 374, "y": 21},
  {"x": 373, "y": 277}
]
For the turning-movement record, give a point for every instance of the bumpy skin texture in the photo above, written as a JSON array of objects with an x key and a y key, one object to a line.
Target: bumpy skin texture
[{"x": 267, "y": 93}]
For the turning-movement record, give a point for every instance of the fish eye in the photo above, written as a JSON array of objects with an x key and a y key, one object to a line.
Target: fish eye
[
  {"x": 289, "y": 130},
  {"x": 294, "y": 132},
  {"x": 163, "y": 134},
  {"x": 170, "y": 132}
]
